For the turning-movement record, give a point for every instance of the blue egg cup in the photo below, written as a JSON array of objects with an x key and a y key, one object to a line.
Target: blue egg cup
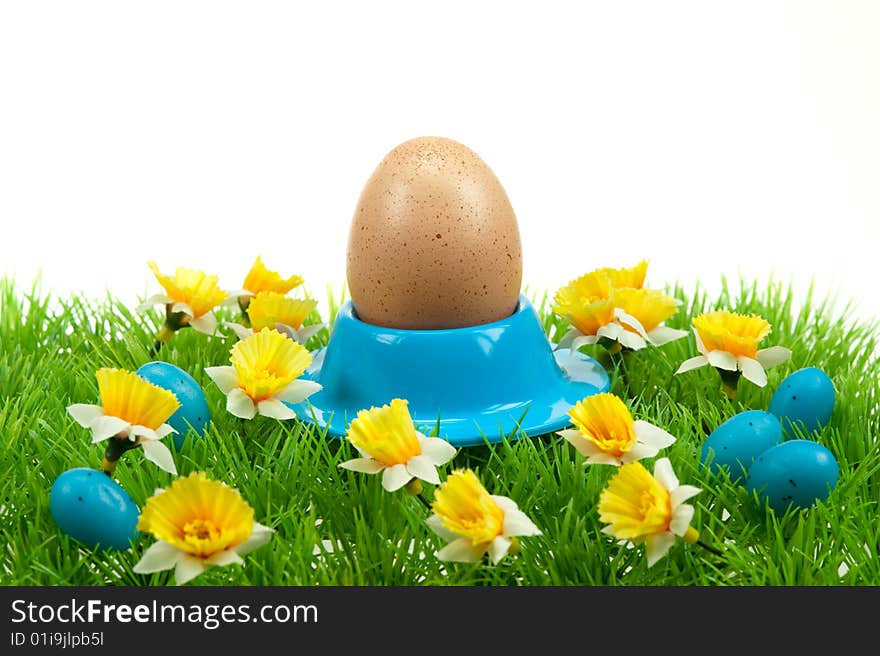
[{"x": 473, "y": 385}]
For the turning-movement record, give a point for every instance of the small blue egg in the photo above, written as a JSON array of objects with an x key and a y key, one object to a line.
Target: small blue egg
[
  {"x": 796, "y": 473},
  {"x": 193, "y": 410},
  {"x": 804, "y": 400},
  {"x": 739, "y": 440},
  {"x": 92, "y": 508}
]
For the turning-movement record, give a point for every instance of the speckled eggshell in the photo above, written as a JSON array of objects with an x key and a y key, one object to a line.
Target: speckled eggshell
[
  {"x": 434, "y": 242},
  {"x": 193, "y": 411},
  {"x": 804, "y": 401},
  {"x": 93, "y": 509},
  {"x": 736, "y": 443}
]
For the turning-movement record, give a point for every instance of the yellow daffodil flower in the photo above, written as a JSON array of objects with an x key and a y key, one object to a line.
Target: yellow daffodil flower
[
  {"x": 729, "y": 342},
  {"x": 620, "y": 317},
  {"x": 642, "y": 508},
  {"x": 606, "y": 434},
  {"x": 198, "y": 523},
  {"x": 284, "y": 314},
  {"x": 475, "y": 523},
  {"x": 133, "y": 410},
  {"x": 264, "y": 376},
  {"x": 190, "y": 296},
  {"x": 390, "y": 444}
]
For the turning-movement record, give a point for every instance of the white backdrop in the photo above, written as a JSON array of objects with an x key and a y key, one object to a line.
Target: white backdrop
[{"x": 709, "y": 137}]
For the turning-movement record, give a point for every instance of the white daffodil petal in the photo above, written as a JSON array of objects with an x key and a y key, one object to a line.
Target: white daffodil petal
[
  {"x": 681, "y": 494},
  {"x": 516, "y": 522},
  {"x": 180, "y": 306},
  {"x": 233, "y": 297},
  {"x": 240, "y": 404},
  {"x": 156, "y": 452},
  {"x": 363, "y": 465},
  {"x": 460, "y": 551},
  {"x": 260, "y": 535},
  {"x": 583, "y": 340},
  {"x": 693, "y": 363},
  {"x": 159, "y": 557},
  {"x": 568, "y": 337},
  {"x": 770, "y": 357},
  {"x": 206, "y": 324},
  {"x": 701, "y": 347},
  {"x": 664, "y": 474},
  {"x": 602, "y": 458},
  {"x": 155, "y": 299},
  {"x": 631, "y": 321},
  {"x": 657, "y": 545},
  {"x": 423, "y": 467},
  {"x": 224, "y": 377},
  {"x": 505, "y": 503},
  {"x": 164, "y": 430},
  {"x": 752, "y": 371},
  {"x": 610, "y": 331},
  {"x": 681, "y": 519},
  {"x": 288, "y": 332},
  {"x": 435, "y": 523},
  {"x": 299, "y": 390},
  {"x": 143, "y": 433},
  {"x": 275, "y": 409},
  {"x": 242, "y": 332},
  {"x": 106, "y": 427},
  {"x": 85, "y": 414},
  {"x": 639, "y": 451},
  {"x": 188, "y": 567},
  {"x": 395, "y": 477},
  {"x": 437, "y": 449},
  {"x": 723, "y": 360},
  {"x": 224, "y": 558},
  {"x": 581, "y": 444},
  {"x": 663, "y": 335},
  {"x": 632, "y": 341},
  {"x": 652, "y": 435},
  {"x": 498, "y": 549},
  {"x": 305, "y": 333}
]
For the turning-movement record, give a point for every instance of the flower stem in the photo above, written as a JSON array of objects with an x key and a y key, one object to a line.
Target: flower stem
[
  {"x": 618, "y": 361},
  {"x": 243, "y": 303},
  {"x": 115, "y": 448},
  {"x": 710, "y": 549},
  {"x": 692, "y": 536},
  {"x": 729, "y": 382},
  {"x": 162, "y": 337}
]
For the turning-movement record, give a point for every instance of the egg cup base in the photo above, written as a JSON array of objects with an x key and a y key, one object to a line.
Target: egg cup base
[{"x": 468, "y": 385}]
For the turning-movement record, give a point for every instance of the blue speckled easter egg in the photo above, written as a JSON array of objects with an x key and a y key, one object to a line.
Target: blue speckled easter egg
[
  {"x": 804, "y": 399},
  {"x": 193, "y": 410},
  {"x": 92, "y": 508},
  {"x": 739, "y": 440},
  {"x": 797, "y": 472}
]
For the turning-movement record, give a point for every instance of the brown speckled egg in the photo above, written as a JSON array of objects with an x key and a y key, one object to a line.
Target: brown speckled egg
[{"x": 434, "y": 242}]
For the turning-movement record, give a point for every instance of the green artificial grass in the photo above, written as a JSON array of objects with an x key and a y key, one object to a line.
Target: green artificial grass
[{"x": 335, "y": 527}]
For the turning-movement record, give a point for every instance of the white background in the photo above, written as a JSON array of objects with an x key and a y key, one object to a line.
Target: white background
[{"x": 713, "y": 138}]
